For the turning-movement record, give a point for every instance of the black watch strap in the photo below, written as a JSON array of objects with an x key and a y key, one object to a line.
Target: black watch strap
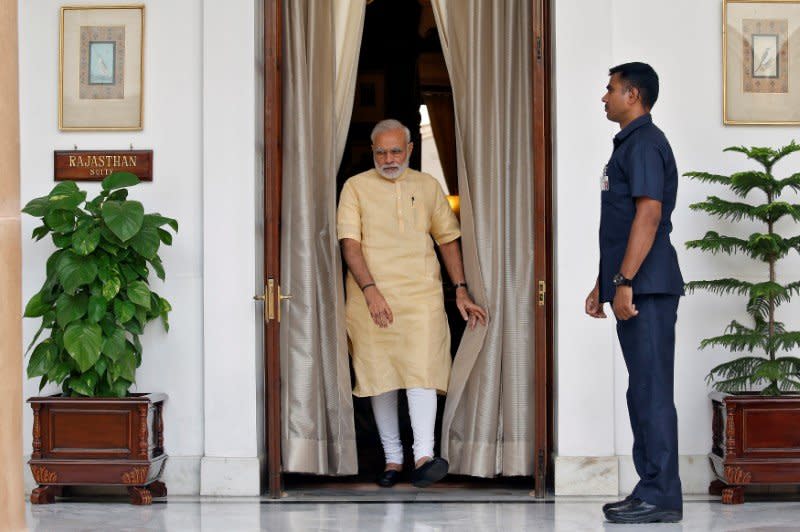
[{"x": 621, "y": 280}]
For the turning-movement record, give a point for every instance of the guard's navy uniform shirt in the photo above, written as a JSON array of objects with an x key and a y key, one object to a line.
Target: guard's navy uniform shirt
[{"x": 642, "y": 164}]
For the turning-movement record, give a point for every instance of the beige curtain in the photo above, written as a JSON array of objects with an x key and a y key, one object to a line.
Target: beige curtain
[
  {"x": 12, "y": 502},
  {"x": 488, "y": 426},
  {"x": 322, "y": 39}
]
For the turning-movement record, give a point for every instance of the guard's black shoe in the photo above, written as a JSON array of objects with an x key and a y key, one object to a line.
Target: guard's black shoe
[
  {"x": 429, "y": 472},
  {"x": 639, "y": 511},
  {"x": 388, "y": 478},
  {"x": 608, "y": 506}
]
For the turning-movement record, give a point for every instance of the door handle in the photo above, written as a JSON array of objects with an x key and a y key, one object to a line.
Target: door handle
[{"x": 268, "y": 297}]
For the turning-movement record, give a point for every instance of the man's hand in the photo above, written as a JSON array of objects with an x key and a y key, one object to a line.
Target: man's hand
[
  {"x": 593, "y": 306},
  {"x": 378, "y": 307},
  {"x": 472, "y": 313},
  {"x": 624, "y": 308}
]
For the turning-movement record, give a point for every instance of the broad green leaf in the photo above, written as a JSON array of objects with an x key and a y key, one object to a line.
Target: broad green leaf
[
  {"x": 60, "y": 220},
  {"x": 62, "y": 240},
  {"x": 42, "y": 359},
  {"x": 111, "y": 288},
  {"x": 155, "y": 262},
  {"x": 123, "y": 218},
  {"x": 141, "y": 316},
  {"x": 85, "y": 240},
  {"x": 70, "y": 308},
  {"x": 35, "y": 338},
  {"x": 119, "y": 195},
  {"x": 83, "y": 341},
  {"x": 59, "y": 372},
  {"x": 37, "y": 207},
  {"x": 114, "y": 345},
  {"x": 139, "y": 294},
  {"x": 101, "y": 366},
  {"x": 42, "y": 382},
  {"x": 123, "y": 310},
  {"x": 74, "y": 271},
  {"x": 37, "y": 306},
  {"x": 156, "y": 220},
  {"x": 65, "y": 195},
  {"x": 146, "y": 242},
  {"x": 137, "y": 344},
  {"x": 120, "y": 387},
  {"x": 119, "y": 180},
  {"x": 124, "y": 368},
  {"x": 165, "y": 236},
  {"x": 97, "y": 308},
  {"x": 85, "y": 384},
  {"x": 134, "y": 327},
  {"x": 129, "y": 273},
  {"x": 40, "y": 232}
]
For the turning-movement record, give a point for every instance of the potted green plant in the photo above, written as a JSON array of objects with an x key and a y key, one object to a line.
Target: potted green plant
[
  {"x": 756, "y": 421},
  {"x": 94, "y": 305}
]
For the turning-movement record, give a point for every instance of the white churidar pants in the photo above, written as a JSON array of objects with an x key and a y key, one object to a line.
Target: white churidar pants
[{"x": 421, "y": 409}]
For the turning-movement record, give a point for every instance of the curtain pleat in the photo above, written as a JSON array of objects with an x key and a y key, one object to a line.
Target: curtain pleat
[
  {"x": 488, "y": 426},
  {"x": 322, "y": 39}
]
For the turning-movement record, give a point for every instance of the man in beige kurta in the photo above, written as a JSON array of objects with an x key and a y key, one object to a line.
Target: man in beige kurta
[{"x": 388, "y": 220}]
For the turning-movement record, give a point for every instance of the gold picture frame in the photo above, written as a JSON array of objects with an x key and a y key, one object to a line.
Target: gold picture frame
[
  {"x": 101, "y": 68},
  {"x": 761, "y": 62}
]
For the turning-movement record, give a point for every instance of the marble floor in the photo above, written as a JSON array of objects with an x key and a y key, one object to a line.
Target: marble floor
[{"x": 292, "y": 514}]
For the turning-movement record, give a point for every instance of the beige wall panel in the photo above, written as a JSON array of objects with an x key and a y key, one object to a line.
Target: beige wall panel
[{"x": 12, "y": 516}]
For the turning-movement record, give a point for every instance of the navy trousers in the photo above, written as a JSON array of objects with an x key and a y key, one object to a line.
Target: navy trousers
[{"x": 648, "y": 346}]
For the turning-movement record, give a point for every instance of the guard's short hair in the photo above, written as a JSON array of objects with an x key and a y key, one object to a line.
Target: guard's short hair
[
  {"x": 390, "y": 124},
  {"x": 641, "y": 76}
]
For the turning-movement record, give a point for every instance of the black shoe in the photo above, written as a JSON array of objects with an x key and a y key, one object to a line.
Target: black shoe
[
  {"x": 610, "y": 505},
  {"x": 639, "y": 511},
  {"x": 429, "y": 472},
  {"x": 388, "y": 478}
]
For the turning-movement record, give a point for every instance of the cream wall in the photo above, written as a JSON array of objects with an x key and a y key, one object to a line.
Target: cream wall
[
  {"x": 173, "y": 126},
  {"x": 682, "y": 40}
]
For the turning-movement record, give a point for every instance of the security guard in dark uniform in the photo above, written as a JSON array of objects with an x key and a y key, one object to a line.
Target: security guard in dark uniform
[{"x": 639, "y": 275}]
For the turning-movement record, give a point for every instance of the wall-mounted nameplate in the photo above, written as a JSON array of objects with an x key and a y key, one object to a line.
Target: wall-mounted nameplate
[{"x": 94, "y": 165}]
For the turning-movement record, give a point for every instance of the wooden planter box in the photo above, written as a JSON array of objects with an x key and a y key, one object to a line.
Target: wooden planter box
[
  {"x": 98, "y": 442},
  {"x": 756, "y": 441}
]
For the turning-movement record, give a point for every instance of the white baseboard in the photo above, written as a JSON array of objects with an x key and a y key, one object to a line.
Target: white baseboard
[
  {"x": 223, "y": 476},
  {"x": 615, "y": 475}
]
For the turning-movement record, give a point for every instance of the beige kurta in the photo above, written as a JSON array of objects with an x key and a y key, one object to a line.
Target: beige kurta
[{"x": 394, "y": 221}]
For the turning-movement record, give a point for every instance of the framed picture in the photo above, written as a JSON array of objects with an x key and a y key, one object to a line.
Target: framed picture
[
  {"x": 761, "y": 62},
  {"x": 100, "y": 68}
]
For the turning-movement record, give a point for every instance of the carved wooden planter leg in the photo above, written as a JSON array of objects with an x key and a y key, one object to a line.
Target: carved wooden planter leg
[
  {"x": 716, "y": 487},
  {"x": 158, "y": 489},
  {"x": 733, "y": 495},
  {"x": 43, "y": 495},
  {"x": 140, "y": 495}
]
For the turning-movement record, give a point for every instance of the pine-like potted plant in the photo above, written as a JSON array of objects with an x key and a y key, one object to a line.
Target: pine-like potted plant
[
  {"x": 756, "y": 422},
  {"x": 93, "y": 306}
]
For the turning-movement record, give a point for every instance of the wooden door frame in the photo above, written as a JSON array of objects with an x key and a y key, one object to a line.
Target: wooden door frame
[
  {"x": 543, "y": 244},
  {"x": 273, "y": 53},
  {"x": 543, "y": 238}
]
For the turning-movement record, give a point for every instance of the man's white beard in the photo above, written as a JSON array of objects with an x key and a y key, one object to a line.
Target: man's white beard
[{"x": 389, "y": 174}]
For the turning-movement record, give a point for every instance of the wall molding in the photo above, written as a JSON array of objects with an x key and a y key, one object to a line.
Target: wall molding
[{"x": 615, "y": 475}]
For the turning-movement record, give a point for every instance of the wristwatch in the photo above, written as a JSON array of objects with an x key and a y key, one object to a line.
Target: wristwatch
[{"x": 621, "y": 280}]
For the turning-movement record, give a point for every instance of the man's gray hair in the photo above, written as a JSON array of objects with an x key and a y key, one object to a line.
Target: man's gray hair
[{"x": 390, "y": 124}]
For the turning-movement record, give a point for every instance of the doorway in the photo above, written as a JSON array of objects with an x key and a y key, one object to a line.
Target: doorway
[{"x": 401, "y": 68}]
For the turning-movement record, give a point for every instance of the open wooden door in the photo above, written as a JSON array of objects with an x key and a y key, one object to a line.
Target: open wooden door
[
  {"x": 272, "y": 239},
  {"x": 543, "y": 242}
]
